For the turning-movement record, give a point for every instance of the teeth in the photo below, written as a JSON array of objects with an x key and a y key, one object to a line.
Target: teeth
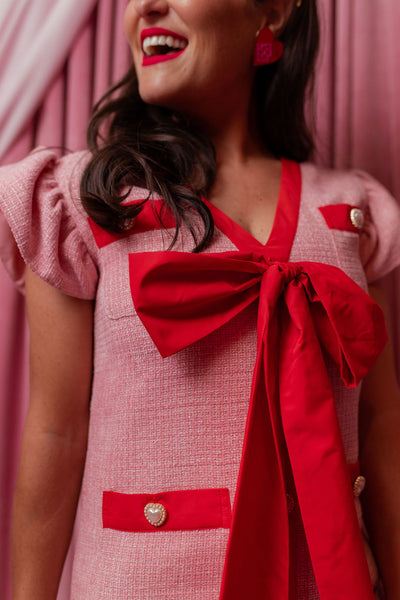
[{"x": 151, "y": 43}]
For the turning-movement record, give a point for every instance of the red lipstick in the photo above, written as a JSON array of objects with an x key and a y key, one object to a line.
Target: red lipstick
[{"x": 158, "y": 58}]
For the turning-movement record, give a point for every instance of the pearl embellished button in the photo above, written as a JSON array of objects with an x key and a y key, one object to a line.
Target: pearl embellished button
[
  {"x": 155, "y": 513},
  {"x": 359, "y": 486},
  {"x": 357, "y": 217}
]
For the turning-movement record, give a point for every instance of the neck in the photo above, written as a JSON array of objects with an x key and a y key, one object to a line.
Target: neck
[
  {"x": 231, "y": 125},
  {"x": 234, "y": 140},
  {"x": 236, "y": 145}
]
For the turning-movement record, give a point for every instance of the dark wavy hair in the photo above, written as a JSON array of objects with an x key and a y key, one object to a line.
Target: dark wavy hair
[{"x": 136, "y": 144}]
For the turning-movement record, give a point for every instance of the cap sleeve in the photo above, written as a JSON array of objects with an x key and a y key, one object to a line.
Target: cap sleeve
[
  {"x": 380, "y": 239},
  {"x": 43, "y": 225}
]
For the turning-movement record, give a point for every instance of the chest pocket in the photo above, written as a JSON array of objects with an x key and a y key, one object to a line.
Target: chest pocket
[
  {"x": 115, "y": 287},
  {"x": 345, "y": 223},
  {"x": 347, "y": 244}
]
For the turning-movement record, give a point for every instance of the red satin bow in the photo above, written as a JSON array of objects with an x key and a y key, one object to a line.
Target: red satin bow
[{"x": 292, "y": 427}]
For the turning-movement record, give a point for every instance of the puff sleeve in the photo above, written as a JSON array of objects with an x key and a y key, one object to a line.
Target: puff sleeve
[
  {"x": 380, "y": 236},
  {"x": 43, "y": 225}
]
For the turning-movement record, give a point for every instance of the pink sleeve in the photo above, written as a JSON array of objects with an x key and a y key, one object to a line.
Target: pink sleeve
[
  {"x": 43, "y": 225},
  {"x": 380, "y": 236}
]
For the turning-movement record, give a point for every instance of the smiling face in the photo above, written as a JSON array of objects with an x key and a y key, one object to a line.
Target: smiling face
[{"x": 188, "y": 53}]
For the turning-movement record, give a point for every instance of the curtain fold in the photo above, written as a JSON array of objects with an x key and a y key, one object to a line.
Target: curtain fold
[
  {"x": 357, "y": 123},
  {"x": 358, "y": 86},
  {"x": 34, "y": 44}
]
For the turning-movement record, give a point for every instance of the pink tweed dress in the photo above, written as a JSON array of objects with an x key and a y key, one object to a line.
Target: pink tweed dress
[{"x": 162, "y": 425}]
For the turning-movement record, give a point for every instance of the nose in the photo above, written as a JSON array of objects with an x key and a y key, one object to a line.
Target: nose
[{"x": 149, "y": 8}]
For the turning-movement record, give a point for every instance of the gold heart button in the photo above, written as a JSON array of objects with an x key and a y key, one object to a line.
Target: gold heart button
[
  {"x": 155, "y": 513},
  {"x": 357, "y": 217},
  {"x": 359, "y": 486}
]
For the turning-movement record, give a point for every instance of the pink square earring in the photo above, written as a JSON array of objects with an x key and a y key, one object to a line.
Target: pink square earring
[{"x": 267, "y": 50}]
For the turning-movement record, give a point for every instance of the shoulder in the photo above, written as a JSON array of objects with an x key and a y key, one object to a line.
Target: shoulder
[
  {"x": 39, "y": 174},
  {"x": 68, "y": 170},
  {"x": 42, "y": 222},
  {"x": 335, "y": 194},
  {"x": 41, "y": 160},
  {"x": 330, "y": 186}
]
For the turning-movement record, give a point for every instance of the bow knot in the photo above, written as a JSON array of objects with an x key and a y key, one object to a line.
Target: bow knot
[{"x": 291, "y": 271}]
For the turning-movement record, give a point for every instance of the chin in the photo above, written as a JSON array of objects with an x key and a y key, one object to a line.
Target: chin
[{"x": 165, "y": 98}]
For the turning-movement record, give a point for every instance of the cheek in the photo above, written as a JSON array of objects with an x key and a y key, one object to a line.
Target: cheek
[
  {"x": 129, "y": 21},
  {"x": 227, "y": 56}
]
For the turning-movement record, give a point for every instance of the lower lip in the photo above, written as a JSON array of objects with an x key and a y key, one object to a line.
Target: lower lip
[{"x": 154, "y": 60}]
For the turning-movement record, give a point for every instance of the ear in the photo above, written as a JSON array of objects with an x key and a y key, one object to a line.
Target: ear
[{"x": 277, "y": 14}]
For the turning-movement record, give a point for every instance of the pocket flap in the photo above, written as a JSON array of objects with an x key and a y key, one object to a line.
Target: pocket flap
[
  {"x": 343, "y": 217},
  {"x": 177, "y": 510}
]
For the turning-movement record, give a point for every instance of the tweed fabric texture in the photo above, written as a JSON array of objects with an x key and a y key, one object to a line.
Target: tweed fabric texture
[{"x": 176, "y": 423}]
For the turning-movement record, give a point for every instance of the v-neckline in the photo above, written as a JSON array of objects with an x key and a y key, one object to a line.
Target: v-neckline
[{"x": 280, "y": 240}]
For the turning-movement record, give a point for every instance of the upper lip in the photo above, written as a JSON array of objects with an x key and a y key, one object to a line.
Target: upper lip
[{"x": 160, "y": 31}]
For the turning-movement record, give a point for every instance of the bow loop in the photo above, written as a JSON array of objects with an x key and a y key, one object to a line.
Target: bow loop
[
  {"x": 350, "y": 325},
  {"x": 196, "y": 291}
]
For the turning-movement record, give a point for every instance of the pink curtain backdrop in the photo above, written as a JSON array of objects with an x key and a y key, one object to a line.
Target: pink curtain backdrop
[
  {"x": 28, "y": 30},
  {"x": 357, "y": 124}
]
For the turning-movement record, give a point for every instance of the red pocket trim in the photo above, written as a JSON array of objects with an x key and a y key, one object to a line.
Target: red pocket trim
[
  {"x": 147, "y": 220},
  {"x": 337, "y": 216},
  {"x": 104, "y": 238},
  {"x": 186, "y": 510}
]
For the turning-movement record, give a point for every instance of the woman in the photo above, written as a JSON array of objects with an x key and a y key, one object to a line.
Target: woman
[{"x": 190, "y": 489}]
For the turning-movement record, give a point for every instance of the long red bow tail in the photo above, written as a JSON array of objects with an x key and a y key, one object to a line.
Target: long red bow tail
[
  {"x": 257, "y": 560},
  {"x": 317, "y": 457}
]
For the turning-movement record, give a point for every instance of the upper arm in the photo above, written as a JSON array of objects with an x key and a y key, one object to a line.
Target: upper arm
[
  {"x": 380, "y": 391},
  {"x": 61, "y": 349}
]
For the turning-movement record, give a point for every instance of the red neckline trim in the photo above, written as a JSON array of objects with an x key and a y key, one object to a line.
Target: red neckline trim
[{"x": 280, "y": 241}]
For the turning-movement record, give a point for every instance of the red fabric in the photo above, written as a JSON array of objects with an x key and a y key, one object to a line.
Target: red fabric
[
  {"x": 154, "y": 215},
  {"x": 103, "y": 238},
  {"x": 186, "y": 509},
  {"x": 337, "y": 216},
  {"x": 292, "y": 426}
]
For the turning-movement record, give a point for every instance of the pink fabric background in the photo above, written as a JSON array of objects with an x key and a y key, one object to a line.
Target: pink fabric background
[
  {"x": 27, "y": 31},
  {"x": 358, "y": 125}
]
